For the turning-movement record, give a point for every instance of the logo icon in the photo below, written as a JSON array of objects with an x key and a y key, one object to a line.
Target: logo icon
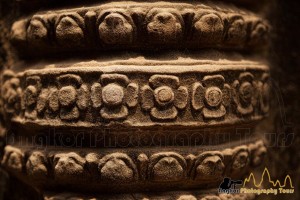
[
  {"x": 251, "y": 186},
  {"x": 271, "y": 187},
  {"x": 228, "y": 186}
]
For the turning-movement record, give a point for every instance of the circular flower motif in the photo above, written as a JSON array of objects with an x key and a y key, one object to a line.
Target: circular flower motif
[
  {"x": 115, "y": 96},
  {"x": 208, "y": 166},
  {"x": 244, "y": 93},
  {"x": 212, "y": 96},
  {"x": 116, "y": 28},
  {"x": 164, "y": 25},
  {"x": 11, "y": 92},
  {"x": 164, "y": 97},
  {"x": 208, "y": 28},
  {"x": 112, "y": 94},
  {"x": 67, "y": 95},
  {"x": 71, "y": 97}
]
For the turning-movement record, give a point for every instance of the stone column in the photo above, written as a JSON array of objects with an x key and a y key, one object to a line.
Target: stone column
[{"x": 134, "y": 100}]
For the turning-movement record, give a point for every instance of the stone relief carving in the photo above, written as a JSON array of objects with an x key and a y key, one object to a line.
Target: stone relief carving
[
  {"x": 177, "y": 195},
  {"x": 208, "y": 166},
  {"x": 106, "y": 27},
  {"x": 212, "y": 96},
  {"x": 164, "y": 97},
  {"x": 126, "y": 168},
  {"x": 116, "y": 98},
  {"x": 155, "y": 92},
  {"x": 11, "y": 93},
  {"x": 37, "y": 165}
]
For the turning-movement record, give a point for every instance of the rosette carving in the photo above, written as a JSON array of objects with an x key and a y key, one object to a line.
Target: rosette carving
[
  {"x": 115, "y": 95},
  {"x": 211, "y": 96},
  {"x": 72, "y": 96},
  {"x": 164, "y": 97}
]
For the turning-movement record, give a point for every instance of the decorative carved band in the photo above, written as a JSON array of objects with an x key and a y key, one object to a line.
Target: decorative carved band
[
  {"x": 145, "y": 26},
  {"x": 136, "y": 96},
  {"x": 178, "y": 195},
  {"x": 106, "y": 168}
]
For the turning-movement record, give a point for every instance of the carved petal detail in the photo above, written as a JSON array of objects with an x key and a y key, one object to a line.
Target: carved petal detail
[
  {"x": 164, "y": 80},
  {"x": 181, "y": 97},
  {"x": 198, "y": 96},
  {"x": 164, "y": 114},
  {"x": 83, "y": 97},
  {"x": 131, "y": 97},
  {"x": 214, "y": 114},
  {"x": 115, "y": 113},
  {"x": 96, "y": 95},
  {"x": 147, "y": 96}
]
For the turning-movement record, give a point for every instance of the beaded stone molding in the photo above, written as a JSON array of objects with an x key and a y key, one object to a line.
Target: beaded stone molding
[
  {"x": 137, "y": 96},
  {"x": 178, "y": 195},
  {"x": 147, "y": 26},
  {"x": 124, "y": 169}
]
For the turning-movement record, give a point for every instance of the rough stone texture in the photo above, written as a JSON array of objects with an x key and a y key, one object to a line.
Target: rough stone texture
[{"x": 80, "y": 80}]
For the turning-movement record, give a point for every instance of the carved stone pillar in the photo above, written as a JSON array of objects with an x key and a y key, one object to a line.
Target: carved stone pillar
[{"x": 134, "y": 100}]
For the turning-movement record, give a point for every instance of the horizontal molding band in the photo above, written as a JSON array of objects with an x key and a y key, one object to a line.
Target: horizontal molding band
[
  {"x": 133, "y": 169},
  {"x": 140, "y": 26},
  {"x": 178, "y": 195},
  {"x": 132, "y": 96}
]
